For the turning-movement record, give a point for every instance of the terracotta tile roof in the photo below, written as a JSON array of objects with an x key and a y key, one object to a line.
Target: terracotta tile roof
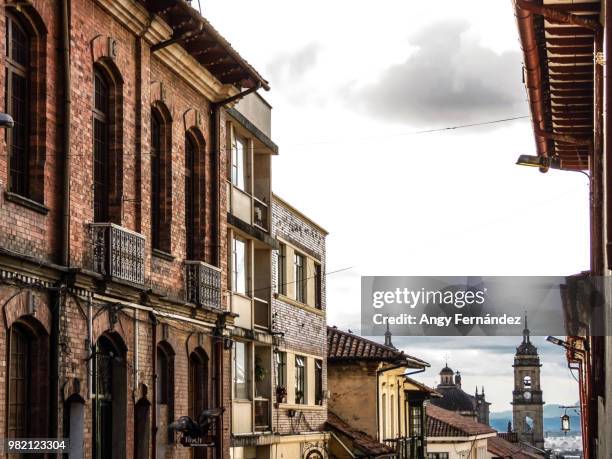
[
  {"x": 444, "y": 423},
  {"x": 363, "y": 441},
  {"x": 500, "y": 448},
  {"x": 343, "y": 345}
]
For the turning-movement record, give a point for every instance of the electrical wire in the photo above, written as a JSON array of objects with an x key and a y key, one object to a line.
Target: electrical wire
[{"x": 324, "y": 142}]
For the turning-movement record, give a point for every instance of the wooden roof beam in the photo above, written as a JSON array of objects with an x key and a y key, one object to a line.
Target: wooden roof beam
[
  {"x": 557, "y": 15},
  {"x": 567, "y": 138}
]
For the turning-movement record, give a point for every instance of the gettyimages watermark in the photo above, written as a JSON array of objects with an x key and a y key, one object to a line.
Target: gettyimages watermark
[{"x": 485, "y": 306}]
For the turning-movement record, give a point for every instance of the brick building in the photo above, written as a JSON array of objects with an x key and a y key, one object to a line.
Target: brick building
[
  {"x": 113, "y": 230},
  {"x": 279, "y": 406}
]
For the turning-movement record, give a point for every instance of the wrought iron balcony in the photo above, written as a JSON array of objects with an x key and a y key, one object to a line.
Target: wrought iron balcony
[
  {"x": 117, "y": 252},
  {"x": 203, "y": 284},
  {"x": 407, "y": 447}
]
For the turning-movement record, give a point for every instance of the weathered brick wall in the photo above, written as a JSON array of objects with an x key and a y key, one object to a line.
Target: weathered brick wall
[
  {"x": 32, "y": 233},
  {"x": 304, "y": 331}
]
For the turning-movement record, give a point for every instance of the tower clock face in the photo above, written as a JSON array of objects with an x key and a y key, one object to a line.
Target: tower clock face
[{"x": 527, "y": 395}]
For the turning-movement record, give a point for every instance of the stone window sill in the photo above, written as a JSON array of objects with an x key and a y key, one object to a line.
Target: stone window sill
[
  {"x": 299, "y": 304},
  {"x": 163, "y": 255},
  {"x": 26, "y": 202}
]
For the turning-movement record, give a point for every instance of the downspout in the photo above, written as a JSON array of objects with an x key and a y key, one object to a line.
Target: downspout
[
  {"x": 154, "y": 388},
  {"x": 219, "y": 365},
  {"x": 533, "y": 76},
  {"x": 54, "y": 339},
  {"x": 216, "y": 143},
  {"x": 216, "y": 157}
]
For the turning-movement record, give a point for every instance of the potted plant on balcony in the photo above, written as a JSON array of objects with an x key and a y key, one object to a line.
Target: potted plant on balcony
[
  {"x": 281, "y": 394},
  {"x": 299, "y": 396},
  {"x": 260, "y": 371}
]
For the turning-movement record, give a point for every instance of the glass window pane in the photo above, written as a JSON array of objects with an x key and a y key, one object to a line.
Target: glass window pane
[
  {"x": 239, "y": 266},
  {"x": 238, "y": 162},
  {"x": 240, "y": 371}
]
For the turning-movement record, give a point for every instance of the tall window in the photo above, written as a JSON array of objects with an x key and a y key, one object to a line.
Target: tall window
[
  {"x": 416, "y": 420},
  {"x": 190, "y": 192},
  {"x": 165, "y": 387},
  {"x": 20, "y": 379},
  {"x": 319, "y": 382},
  {"x": 198, "y": 383},
  {"x": 281, "y": 270},
  {"x": 241, "y": 372},
  {"x": 384, "y": 416},
  {"x": 17, "y": 104},
  {"x": 239, "y": 266},
  {"x": 318, "y": 286},
  {"x": 101, "y": 147},
  {"x": 300, "y": 277},
  {"x": 158, "y": 146},
  {"x": 300, "y": 379},
  {"x": 238, "y": 170},
  {"x": 281, "y": 369},
  {"x": 392, "y": 417},
  {"x": 109, "y": 400}
]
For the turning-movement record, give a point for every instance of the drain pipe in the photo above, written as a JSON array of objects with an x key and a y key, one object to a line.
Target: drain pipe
[
  {"x": 216, "y": 143},
  {"x": 154, "y": 388},
  {"x": 54, "y": 339}
]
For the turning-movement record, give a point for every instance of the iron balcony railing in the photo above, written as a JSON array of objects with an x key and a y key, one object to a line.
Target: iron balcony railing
[
  {"x": 117, "y": 252},
  {"x": 203, "y": 284},
  {"x": 407, "y": 447}
]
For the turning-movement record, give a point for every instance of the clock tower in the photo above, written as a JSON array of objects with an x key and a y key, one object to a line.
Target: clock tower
[{"x": 527, "y": 403}]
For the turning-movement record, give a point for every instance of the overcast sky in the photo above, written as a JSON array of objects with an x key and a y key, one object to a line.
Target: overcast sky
[{"x": 352, "y": 81}]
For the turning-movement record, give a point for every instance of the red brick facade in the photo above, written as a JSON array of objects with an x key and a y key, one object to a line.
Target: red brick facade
[{"x": 66, "y": 310}]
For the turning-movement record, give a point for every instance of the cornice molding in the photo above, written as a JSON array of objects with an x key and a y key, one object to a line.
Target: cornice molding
[{"x": 140, "y": 22}]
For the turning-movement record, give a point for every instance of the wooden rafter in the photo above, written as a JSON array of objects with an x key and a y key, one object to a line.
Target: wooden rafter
[
  {"x": 557, "y": 14},
  {"x": 574, "y": 140}
]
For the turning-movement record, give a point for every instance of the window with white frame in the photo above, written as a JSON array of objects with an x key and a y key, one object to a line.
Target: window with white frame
[
  {"x": 238, "y": 170},
  {"x": 300, "y": 380},
  {"x": 241, "y": 371},
  {"x": 239, "y": 265}
]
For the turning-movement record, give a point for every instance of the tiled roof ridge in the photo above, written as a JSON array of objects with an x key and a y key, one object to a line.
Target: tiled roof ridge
[{"x": 349, "y": 345}]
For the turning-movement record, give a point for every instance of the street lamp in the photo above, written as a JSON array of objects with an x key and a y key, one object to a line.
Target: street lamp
[
  {"x": 543, "y": 162},
  {"x": 6, "y": 120},
  {"x": 565, "y": 423},
  {"x": 565, "y": 419}
]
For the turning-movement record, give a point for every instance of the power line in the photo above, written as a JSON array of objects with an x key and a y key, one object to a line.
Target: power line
[{"x": 354, "y": 139}]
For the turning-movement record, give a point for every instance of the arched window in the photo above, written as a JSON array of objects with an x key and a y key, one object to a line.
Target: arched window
[
  {"x": 165, "y": 391},
  {"x": 161, "y": 198},
  {"x": 527, "y": 381},
  {"x": 109, "y": 399},
  {"x": 101, "y": 151},
  {"x": 20, "y": 380},
  {"x": 198, "y": 389},
  {"x": 17, "y": 104},
  {"x": 191, "y": 154},
  {"x": 28, "y": 364},
  {"x": 198, "y": 383}
]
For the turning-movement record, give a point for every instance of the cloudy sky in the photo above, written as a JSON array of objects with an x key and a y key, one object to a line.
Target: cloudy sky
[{"x": 354, "y": 84}]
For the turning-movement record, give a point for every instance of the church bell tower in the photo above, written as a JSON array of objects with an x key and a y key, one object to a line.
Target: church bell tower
[{"x": 527, "y": 403}]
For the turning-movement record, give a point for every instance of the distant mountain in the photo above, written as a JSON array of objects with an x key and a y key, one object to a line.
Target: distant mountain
[
  {"x": 550, "y": 411},
  {"x": 552, "y": 419},
  {"x": 551, "y": 425}
]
